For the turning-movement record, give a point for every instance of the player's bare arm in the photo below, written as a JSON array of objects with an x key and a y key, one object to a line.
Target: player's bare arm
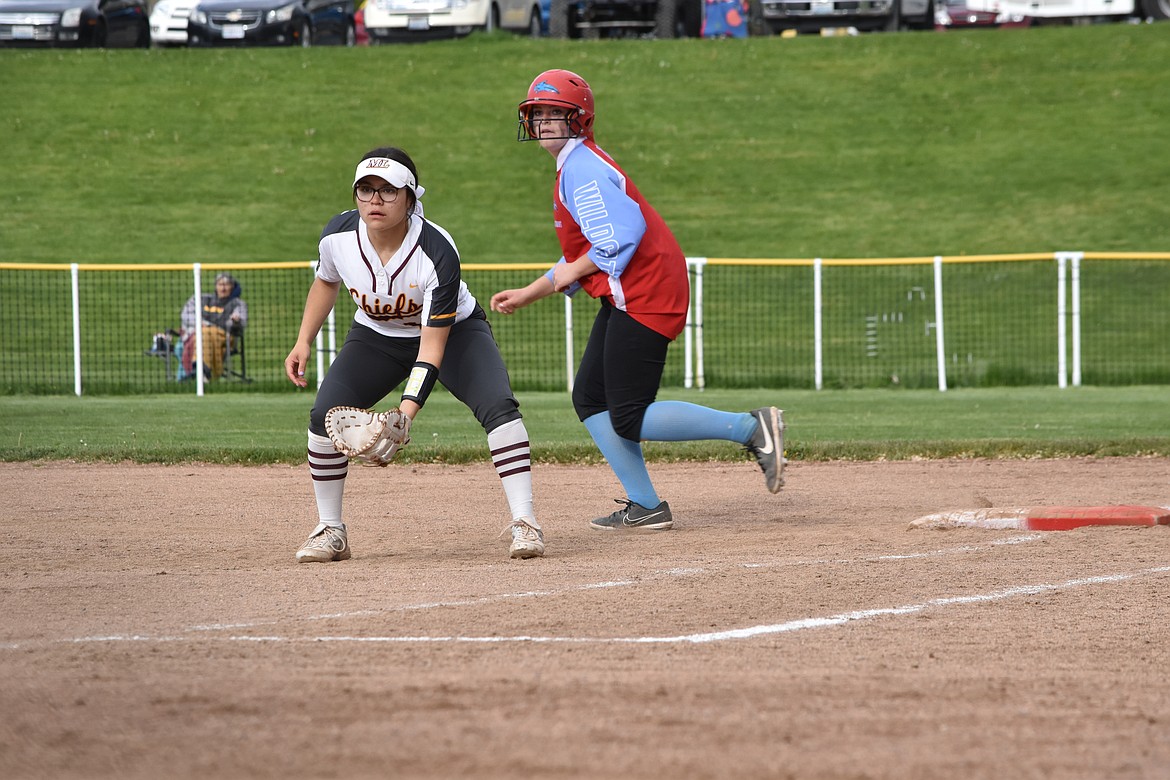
[
  {"x": 322, "y": 295},
  {"x": 508, "y": 301}
]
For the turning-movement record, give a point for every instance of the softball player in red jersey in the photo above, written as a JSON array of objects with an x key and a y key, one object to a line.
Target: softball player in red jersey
[
  {"x": 415, "y": 318},
  {"x": 619, "y": 250}
]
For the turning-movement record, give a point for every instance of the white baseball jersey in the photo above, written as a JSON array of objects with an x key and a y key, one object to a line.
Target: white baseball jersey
[{"x": 421, "y": 284}]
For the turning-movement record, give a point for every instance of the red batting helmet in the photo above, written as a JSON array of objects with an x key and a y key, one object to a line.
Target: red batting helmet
[{"x": 563, "y": 89}]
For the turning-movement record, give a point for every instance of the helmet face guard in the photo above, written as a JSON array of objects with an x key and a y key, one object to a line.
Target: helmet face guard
[
  {"x": 558, "y": 89},
  {"x": 573, "y": 122}
]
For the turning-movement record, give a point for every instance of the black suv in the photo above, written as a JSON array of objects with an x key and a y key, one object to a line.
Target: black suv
[
  {"x": 622, "y": 18},
  {"x": 272, "y": 23}
]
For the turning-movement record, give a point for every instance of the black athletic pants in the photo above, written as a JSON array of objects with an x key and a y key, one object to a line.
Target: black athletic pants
[
  {"x": 370, "y": 365},
  {"x": 620, "y": 371}
]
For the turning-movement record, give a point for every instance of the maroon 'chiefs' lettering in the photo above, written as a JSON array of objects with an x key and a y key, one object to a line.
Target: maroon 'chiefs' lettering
[{"x": 404, "y": 307}]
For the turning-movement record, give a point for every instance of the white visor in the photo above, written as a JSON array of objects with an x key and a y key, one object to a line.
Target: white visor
[{"x": 393, "y": 172}]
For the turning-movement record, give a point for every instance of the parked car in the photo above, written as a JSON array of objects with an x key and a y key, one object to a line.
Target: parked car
[
  {"x": 102, "y": 23},
  {"x": 168, "y": 22},
  {"x": 522, "y": 16},
  {"x": 272, "y": 23},
  {"x": 395, "y": 21},
  {"x": 625, "y": 18},
  {"x": 777, "y": 16},
  {"x": 950, "y": 14}
]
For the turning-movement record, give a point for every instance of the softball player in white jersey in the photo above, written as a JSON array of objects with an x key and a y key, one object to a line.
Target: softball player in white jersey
[{"x": 415, "y": 319}]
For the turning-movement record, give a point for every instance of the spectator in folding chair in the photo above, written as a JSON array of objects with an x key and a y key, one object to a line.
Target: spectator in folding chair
[{"x": 225, "y": 315}]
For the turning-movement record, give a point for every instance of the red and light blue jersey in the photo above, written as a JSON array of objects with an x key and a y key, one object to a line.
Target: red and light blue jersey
[{"x": 597, "y": 211}]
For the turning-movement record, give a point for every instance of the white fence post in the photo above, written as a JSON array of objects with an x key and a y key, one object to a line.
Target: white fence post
[
  {"x": 1076, "y": 318},
  {"x": 73, "y": 275},
  {"x": 818, "y": 341},
  {"x": 332, "y": 320},
  {"x": 198, "y": 267},
  {"x": 939, "y": 341},
  {"x": 328, "y": 333},
  {"x": 569, "y": 341},
  {"x": 700, "y": 362},
  {"x": 688, "y": 331},
  {"x": 320, "y": 344},
  {"x": 1061, "y": 324}
]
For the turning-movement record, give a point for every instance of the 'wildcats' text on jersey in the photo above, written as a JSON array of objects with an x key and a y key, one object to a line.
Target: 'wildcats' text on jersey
[{"x": 598, "y": 211}]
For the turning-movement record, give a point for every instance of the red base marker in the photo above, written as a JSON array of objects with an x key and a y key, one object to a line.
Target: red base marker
[{"x": 1047, "y": 518}]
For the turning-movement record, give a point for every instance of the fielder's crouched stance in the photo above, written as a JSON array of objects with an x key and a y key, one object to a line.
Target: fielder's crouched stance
[
  {"x": 415, "y": 321},
  {"x": 618, "y": 249}
]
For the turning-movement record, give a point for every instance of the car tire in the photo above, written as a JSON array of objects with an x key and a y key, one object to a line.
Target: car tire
[
  {"x": 894, "y": 23},
  {"x": 560, "y": 24},
  {"x": 534, "y": 29},
  {"x": 666, "y": 19},
  {"x": 1156, "y": 9},
  {"x": 143, "y": 39},
  {"x": 97, "y": 38},
  {"x": 757, "y": 24},
  {"x": 927, "y": 20}
]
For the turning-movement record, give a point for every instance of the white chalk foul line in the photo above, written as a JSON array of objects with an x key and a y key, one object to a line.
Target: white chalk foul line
[
  {"x": 423, "y": 605},
  {"x": 750, "y": 632},
  {"x": 703, "y": 638},
  {"x": 660, "y": 573}
]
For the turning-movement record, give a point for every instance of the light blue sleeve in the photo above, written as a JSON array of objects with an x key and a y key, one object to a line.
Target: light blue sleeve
[
  {"x": 573, "y": 288},
  {"x": 610, "y": 219}
]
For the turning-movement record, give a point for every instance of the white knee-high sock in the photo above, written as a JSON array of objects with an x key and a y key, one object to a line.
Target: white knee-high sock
[
  {"x": 328, "y": 468},
  {"x": 512, "y": 457}
]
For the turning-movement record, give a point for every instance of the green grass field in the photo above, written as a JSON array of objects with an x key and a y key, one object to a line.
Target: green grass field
[
  {"x": 826, "y": 425},
  {"x": 876, "y": 146}
]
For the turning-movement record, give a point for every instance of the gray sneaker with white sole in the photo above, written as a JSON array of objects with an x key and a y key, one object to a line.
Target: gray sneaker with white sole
[
  {"x": 635, "y": 517},
  {"x": 767, "y": 445}
]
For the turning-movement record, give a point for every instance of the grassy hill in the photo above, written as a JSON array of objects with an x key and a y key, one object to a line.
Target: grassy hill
[{"x": 878, "y": 145}]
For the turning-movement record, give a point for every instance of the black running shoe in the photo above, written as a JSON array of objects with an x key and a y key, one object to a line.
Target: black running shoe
[
  {"x": 635, "y": 517},
  {"x": 767, "y": 444}
]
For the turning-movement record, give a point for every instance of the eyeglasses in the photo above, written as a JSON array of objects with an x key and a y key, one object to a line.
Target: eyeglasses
[{"x": 365, "y": 193}]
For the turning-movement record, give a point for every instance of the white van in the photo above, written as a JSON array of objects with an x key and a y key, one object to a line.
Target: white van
[
  {"x": 393, "y": 21},
  {"x": 523, "y": 16}
]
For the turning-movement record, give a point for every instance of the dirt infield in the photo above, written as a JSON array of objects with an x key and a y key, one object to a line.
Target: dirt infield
[{"x": 156, "y": 625}]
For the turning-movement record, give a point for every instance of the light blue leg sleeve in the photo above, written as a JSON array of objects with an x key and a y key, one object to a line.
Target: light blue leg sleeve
[
  {"x": 625, "y": 458},
  {"x": 681, "y": 421}
]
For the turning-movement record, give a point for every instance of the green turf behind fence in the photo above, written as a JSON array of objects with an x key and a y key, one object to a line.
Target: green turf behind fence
[
  {"x": 853, "y": 424},
  {"x": 757, "y": 326}
]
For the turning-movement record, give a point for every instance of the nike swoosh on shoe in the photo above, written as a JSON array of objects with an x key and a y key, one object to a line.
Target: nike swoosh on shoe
[
  {"x": 640, "y": 520},
  {"x": 766, "y": 425}
]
